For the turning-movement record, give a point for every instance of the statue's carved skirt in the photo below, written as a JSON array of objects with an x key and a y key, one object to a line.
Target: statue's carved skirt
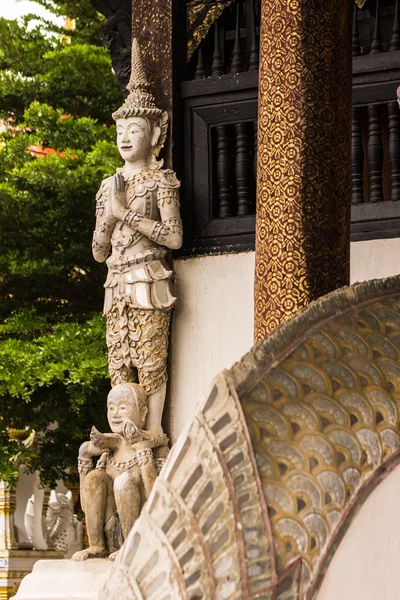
[
  {"x": 137, "y": 341},
  {"x": 145, "y": 285}
]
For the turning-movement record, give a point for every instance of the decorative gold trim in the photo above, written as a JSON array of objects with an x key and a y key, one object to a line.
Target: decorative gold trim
[
  {"x": 8, "y": 592},
  {"x": 14, "y": 574},
  {"x": 201, "y": 15}
]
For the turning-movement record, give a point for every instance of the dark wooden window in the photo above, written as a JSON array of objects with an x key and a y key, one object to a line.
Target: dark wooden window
[{"x": 220, "y": 112}]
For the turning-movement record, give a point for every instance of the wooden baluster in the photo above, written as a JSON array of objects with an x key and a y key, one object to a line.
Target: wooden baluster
[
  {"x": 254, "y": 57},
  {"x": 217, "y": 66},
  {"x": 375, "y": 154},
  {"x": 395, "y": 41},
  {"x": 224, "y": 172},
  {"x": 200, "y": 68},
  {"x": 357, "y": 158},
  {"x": 394, "y": 150},
  {"x": 376, "y": 45},
  {"x": 236, "y": 63},
  {"x": 356, "y": 49},
  {"x": 242, "y": 169}
]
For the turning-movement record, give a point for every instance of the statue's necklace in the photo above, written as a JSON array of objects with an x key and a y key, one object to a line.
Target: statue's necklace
[{"x": 122, "y": 466}]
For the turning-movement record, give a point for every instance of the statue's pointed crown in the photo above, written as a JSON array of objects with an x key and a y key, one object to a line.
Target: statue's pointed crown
[{"x": 140, "y": 101}]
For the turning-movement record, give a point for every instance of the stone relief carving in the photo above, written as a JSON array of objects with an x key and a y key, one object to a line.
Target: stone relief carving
[
  {"x": 63, "y": 530},
  {"x": 260, "y": 488}
]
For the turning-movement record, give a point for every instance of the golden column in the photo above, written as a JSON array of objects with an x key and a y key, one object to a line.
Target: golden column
[{"x": 304, "y": 156}]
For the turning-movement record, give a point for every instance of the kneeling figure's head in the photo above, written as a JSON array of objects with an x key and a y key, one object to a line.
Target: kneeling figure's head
[{"x": 126, "y": 402}]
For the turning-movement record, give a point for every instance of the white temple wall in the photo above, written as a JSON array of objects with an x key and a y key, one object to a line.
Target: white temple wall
[
  {"x": 213, "y": 322},
  {"x": 27, "y": 483},
  {"x": 374, "y": 259},
  {"x": 366, "y": 562},
  {"x": 212, "y": 326}
]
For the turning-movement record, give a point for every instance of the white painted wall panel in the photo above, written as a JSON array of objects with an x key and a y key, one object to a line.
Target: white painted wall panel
[
  {"x": 212, "y": 326},
  {"x": 366, "y": 563},
  {"x": 374, "y": 259}
]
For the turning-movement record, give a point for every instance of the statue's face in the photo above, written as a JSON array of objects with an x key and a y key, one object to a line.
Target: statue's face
[
  {"x": 121, "y": 409},
  {"x": 134, "y": 138}
]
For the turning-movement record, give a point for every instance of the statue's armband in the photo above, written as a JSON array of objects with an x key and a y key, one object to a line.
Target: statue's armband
[
  {"x": 167, "y": 197},
  {"x": 101, "y": 244}
]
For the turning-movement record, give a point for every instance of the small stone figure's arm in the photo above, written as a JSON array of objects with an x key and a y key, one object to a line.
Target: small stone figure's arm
[
  {"x": 85, "y": 465},
  {"x": 98, "y": 444},
  {"x": 147, "y": 467},
  {"x": 152, "y": 438},
  {"x": 166, "y": 232},
  {"x": 143, "y": 441},
  {"x": 105, "y": 223}
]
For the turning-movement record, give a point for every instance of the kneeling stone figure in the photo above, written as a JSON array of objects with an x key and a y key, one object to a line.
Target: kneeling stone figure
[{"x": 113, "y": 493}]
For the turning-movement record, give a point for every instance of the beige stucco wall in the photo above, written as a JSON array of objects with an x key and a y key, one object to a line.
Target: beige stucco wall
[
  {"x": 212, "y": 326},
  {"x": 365, "y": 565},
  {"x": 213, "y": 322},
  {"x": 374, "y": 258}
]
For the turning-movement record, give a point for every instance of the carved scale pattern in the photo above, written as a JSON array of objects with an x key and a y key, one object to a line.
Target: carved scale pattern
[
  {"x": 287, "y": 446},
  {"x": 321, "y": 423}
]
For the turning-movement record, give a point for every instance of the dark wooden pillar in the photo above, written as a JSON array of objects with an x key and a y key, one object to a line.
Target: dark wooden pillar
[
  {"x": 160, "y": 27},
  {"x": 304, "y": 156}
]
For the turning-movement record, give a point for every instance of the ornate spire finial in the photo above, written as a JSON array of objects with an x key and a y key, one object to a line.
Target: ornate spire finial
[
  {"x": 138, "y": 77},
  {"x": 140, "y": 101}
]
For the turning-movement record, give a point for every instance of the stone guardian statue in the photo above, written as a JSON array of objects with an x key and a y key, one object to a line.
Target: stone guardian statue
[
  {"x": 137, "y": 221},
  {"x": 113, "y": 493},
  {"x": 63, "y": 531}
]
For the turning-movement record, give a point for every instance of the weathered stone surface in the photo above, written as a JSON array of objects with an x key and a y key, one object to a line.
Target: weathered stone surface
[
  {"x": 112, "y": 494},
  {"x": 64, "y": 580},
  {"x": 137, "y": 221}
]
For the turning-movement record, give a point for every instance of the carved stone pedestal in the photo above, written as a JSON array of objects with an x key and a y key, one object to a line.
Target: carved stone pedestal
[
  {"x": 65, "y": 580},
  {"x": 16, "y": 564}
]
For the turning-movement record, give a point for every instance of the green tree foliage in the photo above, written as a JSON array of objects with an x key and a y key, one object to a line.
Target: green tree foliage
[{"x": 57, "y": 93}]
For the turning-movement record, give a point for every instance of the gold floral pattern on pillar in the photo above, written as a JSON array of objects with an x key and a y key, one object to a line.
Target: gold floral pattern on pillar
[
  {"x": 152, "y": 26},
  {"x": 261, "y": 487},
  {"x": 303, "y": 191},
  {"x": 202, "y": 14}
]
